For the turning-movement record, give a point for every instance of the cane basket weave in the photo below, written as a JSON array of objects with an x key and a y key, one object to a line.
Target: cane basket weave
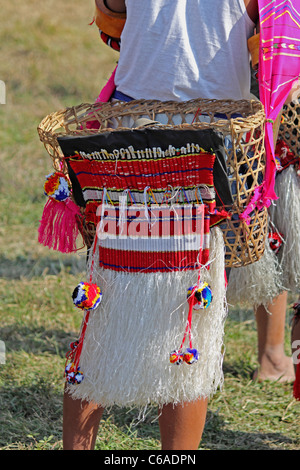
[
  {"x": 240, "y": 122},
  {"x": 289, "y": 129}
]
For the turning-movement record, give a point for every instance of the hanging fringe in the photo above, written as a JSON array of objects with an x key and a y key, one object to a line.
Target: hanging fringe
[
  {"x": 279, "y": 267},
  {"x": 58, "y": 227},
  {"x": 285, "y": 215},
  {"x": 125, "y": 355},
  {"x": 256, "y": 284}
]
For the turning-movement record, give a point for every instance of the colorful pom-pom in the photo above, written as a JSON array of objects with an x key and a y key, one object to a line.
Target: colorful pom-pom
[
  {"x": 202, "y": 295},
  {"x": 74, "y": 345},
  {"x": 57, "y": 187},
  {"x": 275, "y": 241},
  {"x": 199, "y": 297},
  {"x": 190, "y": 356},
  {"x": 73, "y": 374},
  {"x": 176, "y": 357},
  {"x": 87, "y": 296}
]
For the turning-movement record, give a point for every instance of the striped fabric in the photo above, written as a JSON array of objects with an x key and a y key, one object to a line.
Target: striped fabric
[
  {"x": 162, "y": 238},
  {"x": 191, "y": 175},
  {"x": 110, "y": 41},
  {"x": 279, "y": 71},
  {"x": 152, "y": 204}
]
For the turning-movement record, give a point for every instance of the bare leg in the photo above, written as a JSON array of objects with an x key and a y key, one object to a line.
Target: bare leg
[
  {"x": 274, "y": 364},
  {"x": 181, "y": 426},
  {"x": 80, "y": 424}
]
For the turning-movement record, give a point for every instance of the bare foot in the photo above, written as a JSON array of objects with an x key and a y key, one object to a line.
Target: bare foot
[{"x": 280, "y": 370}]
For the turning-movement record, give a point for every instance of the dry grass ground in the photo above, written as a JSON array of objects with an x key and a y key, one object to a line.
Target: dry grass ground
[{"x": 51, "y": 58}]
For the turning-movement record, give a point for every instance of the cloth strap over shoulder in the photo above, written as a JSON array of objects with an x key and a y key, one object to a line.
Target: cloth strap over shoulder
[
  {"x": 108, "y": 21},
  {"x": 253, "y": 46}
]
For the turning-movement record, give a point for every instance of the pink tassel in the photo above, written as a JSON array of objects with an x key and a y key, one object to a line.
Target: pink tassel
[
  {"x": 108, "y": 89},
  {"x": 58, "y": 227},
  {"x": 104, "y": 96},
  {"x": 255, "y": 202}
]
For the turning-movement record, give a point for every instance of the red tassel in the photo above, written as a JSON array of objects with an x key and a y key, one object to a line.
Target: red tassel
[
  {"x": 296, "y": 387},
  {"x": 58, "y": 227},
  {"x": 218, "y": 215},
  {"x": 73, "y": 356}
]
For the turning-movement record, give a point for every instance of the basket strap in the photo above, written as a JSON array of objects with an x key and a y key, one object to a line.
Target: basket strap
[{"x": 253, "y": 47}]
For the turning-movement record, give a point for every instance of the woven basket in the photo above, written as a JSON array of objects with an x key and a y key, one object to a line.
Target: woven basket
[
  {"x": 241, "y": 121},
  {"x": 289, "y": 129}
]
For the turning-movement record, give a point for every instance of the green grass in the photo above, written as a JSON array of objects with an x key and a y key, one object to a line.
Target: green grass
[{"x": 51, "y": 58}]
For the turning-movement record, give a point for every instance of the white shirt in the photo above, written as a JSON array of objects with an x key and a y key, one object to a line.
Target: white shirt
[{"x": 185, "y": 49}]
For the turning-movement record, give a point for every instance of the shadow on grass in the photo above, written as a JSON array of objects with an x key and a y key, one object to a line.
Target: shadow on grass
[
  {"x": 32, "y": 387},
  {"x": 36, "y": 340},
  {"x": 217, "y": 437},
  {"x": 27, "y": 267},
  {"x": 30, "y": 413},
  {"x": 238, "y": 368},
  {"x": 33, "y": 414}
]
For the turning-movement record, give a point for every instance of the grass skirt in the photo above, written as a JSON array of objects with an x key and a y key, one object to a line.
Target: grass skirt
[
  {"x": 140, "y": 321},
  {"x": 285, "y": 216},
  {"x": 261, "y": 282}
]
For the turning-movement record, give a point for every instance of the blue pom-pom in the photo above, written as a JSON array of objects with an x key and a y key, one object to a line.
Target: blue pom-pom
[
  {"x": 190, "y": 356},
  {"x": 202, "y": 295}
]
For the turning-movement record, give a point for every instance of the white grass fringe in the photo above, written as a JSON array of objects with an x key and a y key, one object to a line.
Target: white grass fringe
[
  {"x": 260, "y": 282},
  {"x": 141, "y": 319},
  {"x": 257, "y": 283},
  {"x": 285, "y": 215}
]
